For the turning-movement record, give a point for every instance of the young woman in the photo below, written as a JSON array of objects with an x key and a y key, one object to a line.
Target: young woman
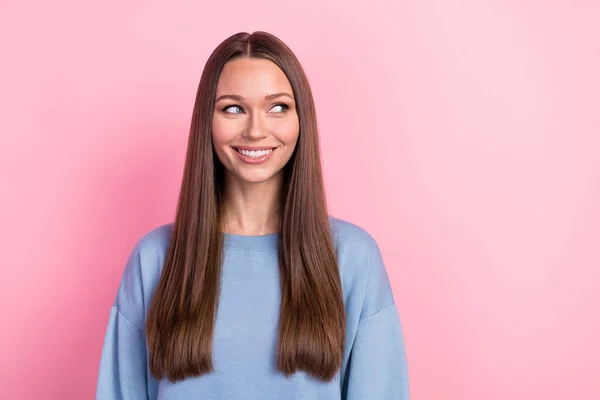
[{"x": 254, "y": 291}]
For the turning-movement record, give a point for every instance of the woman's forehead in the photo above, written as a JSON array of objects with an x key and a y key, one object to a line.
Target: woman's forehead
[{"x": 252, "y": 78}]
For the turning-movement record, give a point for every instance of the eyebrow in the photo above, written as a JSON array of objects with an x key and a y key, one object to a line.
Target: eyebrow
[{"x": 267, "y": 97}]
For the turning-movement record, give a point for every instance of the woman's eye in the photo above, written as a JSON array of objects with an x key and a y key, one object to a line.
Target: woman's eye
[
  {"x": 232, "y": 107},
  {"x": 282, "y": 107}
]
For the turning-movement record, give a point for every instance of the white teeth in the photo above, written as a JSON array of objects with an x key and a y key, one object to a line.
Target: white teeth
[{"x": 255, "y": 154}]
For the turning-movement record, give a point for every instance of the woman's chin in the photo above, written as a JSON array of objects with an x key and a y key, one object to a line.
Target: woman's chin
[{"x": 254, "y": 177}]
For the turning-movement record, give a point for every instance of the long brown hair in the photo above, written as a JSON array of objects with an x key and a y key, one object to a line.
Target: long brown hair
[{"x": 181, "y": 316}]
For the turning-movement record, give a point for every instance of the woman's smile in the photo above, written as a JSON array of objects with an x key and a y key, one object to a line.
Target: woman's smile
[{"x": 254, "y": 155}]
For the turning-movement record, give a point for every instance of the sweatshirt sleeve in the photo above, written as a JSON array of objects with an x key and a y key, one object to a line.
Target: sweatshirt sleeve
[
  {"x": 377, "y": 367},
  {"x": 123, "y": 363}
]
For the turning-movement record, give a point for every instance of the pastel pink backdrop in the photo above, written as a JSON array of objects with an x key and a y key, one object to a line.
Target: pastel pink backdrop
[{"x": 462, "y": 134}]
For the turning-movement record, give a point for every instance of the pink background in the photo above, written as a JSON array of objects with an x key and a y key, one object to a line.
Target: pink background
[{"x": 464, "y": 135}]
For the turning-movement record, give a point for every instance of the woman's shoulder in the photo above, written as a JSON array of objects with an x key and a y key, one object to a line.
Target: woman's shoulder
[
  {"x": 150, "y": 249},
  {"x": 349, "y": 234},
  {"x": 355, "y": 246},
  {"x": 156, "y": 238},
  {"x": 142, "y": 272},
  {"x": 363, "y": 272}
]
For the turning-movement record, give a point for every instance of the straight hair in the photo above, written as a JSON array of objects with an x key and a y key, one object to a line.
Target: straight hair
[{"x": 181, "y": 315}]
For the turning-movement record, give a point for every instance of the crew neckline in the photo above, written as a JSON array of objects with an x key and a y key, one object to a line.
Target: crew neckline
[{"x": 255, "y": 242}]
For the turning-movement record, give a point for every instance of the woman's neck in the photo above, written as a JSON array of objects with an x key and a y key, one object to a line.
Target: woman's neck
[{"x": 252, "y": 209}]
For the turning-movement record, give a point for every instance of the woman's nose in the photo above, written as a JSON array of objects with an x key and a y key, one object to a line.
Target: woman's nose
[{"x": 255, "y": 129}]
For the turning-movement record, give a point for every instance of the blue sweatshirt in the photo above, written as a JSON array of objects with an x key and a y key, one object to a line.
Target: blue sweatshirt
[{"x": 245, "y": 334}]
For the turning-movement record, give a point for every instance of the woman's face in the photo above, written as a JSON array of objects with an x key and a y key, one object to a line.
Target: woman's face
[{"x": 255, "y": 124}]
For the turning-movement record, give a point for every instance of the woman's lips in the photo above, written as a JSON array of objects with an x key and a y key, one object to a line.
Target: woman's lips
[{"x": 254, "y": 160}]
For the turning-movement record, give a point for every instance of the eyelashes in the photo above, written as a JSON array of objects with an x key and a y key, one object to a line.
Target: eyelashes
[{"x": 285, "y": 107}]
